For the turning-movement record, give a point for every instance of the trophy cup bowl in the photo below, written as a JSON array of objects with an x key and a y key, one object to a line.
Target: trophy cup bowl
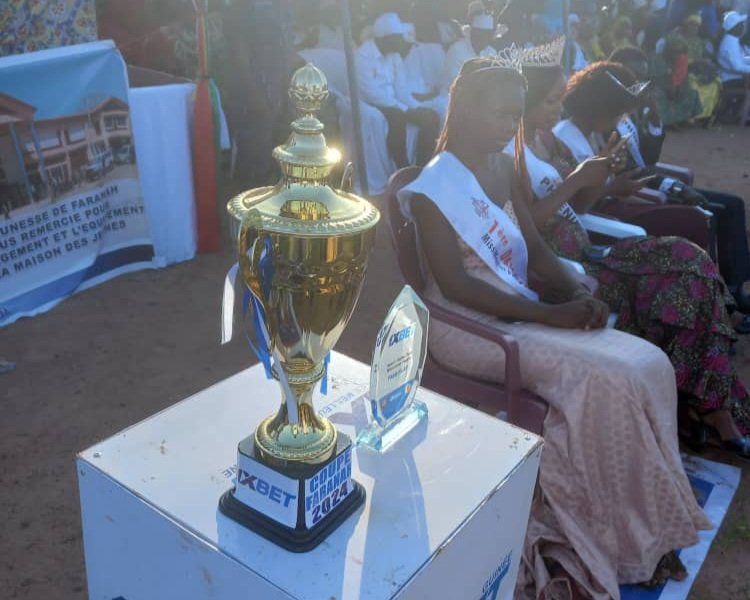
[
  {"x": 303, "y": 248},
  {"x": 315, "y": 286}
]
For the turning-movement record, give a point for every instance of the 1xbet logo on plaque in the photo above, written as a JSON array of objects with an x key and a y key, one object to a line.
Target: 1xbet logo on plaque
[{"x": 397, "y": 365}]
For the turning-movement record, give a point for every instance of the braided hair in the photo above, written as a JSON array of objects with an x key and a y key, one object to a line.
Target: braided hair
[{"x": 476, "y": 77}]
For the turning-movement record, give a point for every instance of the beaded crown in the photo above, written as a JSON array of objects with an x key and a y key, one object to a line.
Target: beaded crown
[
  {"x": 544, "y": 55},
  {"x": 634, "y": 90}
]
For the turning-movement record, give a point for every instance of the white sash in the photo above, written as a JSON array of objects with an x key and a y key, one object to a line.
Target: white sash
[
  {"x": 480, "y": 223},
  {"x": 544, "y": 178},
  {"x": 627, "y": 127},
  {"x": 568, "y": 133}
]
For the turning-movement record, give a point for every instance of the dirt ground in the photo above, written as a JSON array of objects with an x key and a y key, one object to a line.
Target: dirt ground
[{"x": 118, "y": 353}]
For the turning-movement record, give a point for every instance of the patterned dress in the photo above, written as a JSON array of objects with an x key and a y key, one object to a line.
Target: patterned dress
[
  {"x": 27, "y": 26},
  {"x": 668, "y": 291}
]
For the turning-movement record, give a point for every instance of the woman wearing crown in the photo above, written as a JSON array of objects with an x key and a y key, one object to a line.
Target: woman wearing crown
[
  {"x": 613, "y": 500},
  {"x": 664, "y": 289}
]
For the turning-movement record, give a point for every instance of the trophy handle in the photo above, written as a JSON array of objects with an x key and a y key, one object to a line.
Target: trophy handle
[
  {"x": 250, "y": 252},
  {"x": 347, "y": 178}
]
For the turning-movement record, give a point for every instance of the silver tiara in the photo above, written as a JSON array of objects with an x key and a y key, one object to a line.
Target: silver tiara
[
  {"x": 509, "y": 57},
  {"x": 545, "y": 55},
  {"x": 634, "y": 90}
]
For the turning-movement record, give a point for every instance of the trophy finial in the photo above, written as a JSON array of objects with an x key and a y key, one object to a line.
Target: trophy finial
[{"x": 308, "y": 89}]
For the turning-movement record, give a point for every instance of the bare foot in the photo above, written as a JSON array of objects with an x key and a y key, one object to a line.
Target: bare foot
[{"x": 722, "y": 421}]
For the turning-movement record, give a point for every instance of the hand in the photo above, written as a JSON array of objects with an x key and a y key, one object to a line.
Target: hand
[
  {"x": 584, "y": 312},
  {"x": 625, "y": 184},
  {"x": 653, "y": 111},
  {"x": 424, "y": 117},
  {"x": 616, "y": 150},
  {"x": 593, "y": 172},
  {"x": 424, "y": 97}
]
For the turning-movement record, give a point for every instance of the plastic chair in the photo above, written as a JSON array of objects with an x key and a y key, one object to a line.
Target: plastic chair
[
  {"x": 743, "y": 95},
  {"x": 507, "y": 399},
  {"x": 684, "y": 174}
]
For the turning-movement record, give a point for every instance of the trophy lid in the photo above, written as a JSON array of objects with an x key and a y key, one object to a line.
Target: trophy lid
[{"x": 303, "y": 202}]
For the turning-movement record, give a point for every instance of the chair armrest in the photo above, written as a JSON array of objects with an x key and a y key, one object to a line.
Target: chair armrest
[
  {"x": 684, "y": 174},
  {"x": 610, "y": 227},
  {"x": 505, "y": 340},
  {"x": 654, "y": 196}
]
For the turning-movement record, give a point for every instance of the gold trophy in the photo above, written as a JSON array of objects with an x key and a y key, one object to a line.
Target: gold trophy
[{"x": 303, "y": 249}]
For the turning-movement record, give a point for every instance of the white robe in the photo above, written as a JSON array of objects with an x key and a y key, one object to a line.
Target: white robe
[
  {"x": 457, "y": 55},
  {"x": 376, "y": 77},
  {"x": 409, "y": 80},
  {"x": 732, "y": 59}
]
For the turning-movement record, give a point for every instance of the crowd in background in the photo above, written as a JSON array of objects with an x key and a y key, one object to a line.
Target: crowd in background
[{"x": 695, "y": 54}]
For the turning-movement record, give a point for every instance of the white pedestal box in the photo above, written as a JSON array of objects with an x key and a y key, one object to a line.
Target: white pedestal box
[{"x": 445, "y": 515}]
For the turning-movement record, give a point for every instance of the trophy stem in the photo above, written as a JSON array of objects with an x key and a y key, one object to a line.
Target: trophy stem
[{"x": 311, "y": 440}]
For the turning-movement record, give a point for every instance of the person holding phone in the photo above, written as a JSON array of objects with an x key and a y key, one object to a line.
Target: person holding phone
[
  {"x": 588, "y": 131},
  {"x": 728, "y": 210},
  {"x": 664, "y": 289}
]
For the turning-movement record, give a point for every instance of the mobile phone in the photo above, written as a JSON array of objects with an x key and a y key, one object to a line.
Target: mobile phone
[
  {"x": 597, "y": 252},
  {"x": 647, "y": 178},
  {"x": 622, "y": 141},
  {"x": 646, "y": 171},
  {"x": 617, "y": 148}
]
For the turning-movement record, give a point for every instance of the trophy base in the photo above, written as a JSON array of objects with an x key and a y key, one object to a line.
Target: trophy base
[
  {"x": 380, "y": 439},
  {"x": 296, "y": 508}
]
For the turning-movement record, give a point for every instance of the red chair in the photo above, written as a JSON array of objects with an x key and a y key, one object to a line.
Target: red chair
[
  {"x": 522, "y": 407},
  {"x": 684, "y": 174}
]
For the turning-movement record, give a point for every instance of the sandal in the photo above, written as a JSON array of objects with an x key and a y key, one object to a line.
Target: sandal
[
  {"x": 677, "y": 570},
  {"x": 743, "y": 327},
  {"x": 669, "y": 567},
  {"x": 660, "y": 576},
  {"x": 557, "y": 572},
  {"x": 698, "y": 434}
]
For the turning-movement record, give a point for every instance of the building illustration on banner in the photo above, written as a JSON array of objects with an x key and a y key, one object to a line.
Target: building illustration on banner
[
  {"x": 49, "y": 158},
  {"x": 71, "y": 205}
]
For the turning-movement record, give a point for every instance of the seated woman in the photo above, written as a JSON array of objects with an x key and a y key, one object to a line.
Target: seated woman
[
  {"x": 702, "y": 73},
  {"x": 644, "y": 150},
  {"x": 593, "y": 116},
  {"x": 691, "y": 68},
  {"x": 610, "y": 444},
  {"x": 664, "y": 289},
  {"x": 678, "y": 100}
]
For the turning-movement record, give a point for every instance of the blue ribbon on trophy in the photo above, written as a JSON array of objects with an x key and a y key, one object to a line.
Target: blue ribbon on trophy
[
  {"x": 324, "y": 379},
  {"x": 261, "y": 347}
]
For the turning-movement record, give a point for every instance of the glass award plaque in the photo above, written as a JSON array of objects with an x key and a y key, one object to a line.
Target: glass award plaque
[{"x": 397, "y": 364}]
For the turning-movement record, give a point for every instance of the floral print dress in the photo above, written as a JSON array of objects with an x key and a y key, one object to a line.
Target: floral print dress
[
  {"x": 668, "y": 291},
  {"x": 27, "y": 26}
]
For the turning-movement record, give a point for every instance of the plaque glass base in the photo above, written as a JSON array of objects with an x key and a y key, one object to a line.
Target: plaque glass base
[
  {"x": 298, "y": 508},
  {"x": 397, "y": 365},
  {"x": 380, "y": 438}
]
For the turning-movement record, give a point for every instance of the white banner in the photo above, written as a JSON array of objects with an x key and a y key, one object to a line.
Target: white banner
[{"x": 71, "y": 208}]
